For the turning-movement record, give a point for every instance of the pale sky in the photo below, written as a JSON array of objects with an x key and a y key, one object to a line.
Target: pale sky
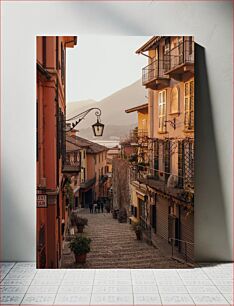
[{"x": 100, "y": 65}]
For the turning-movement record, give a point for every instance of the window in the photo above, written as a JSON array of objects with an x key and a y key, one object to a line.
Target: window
[
  {"x": 189, "y": 105},
  {"x": 190, "y": 45},
  {"x": 180, "y": 164},
  {"x": 180, "y": 50},
  {"x": 68, "y": 157},
  {"x": 166, "y": 55},
  {"x": 153, "y": 217},
  {"x": 57, "y": 52},
  {"x": 142, "y": 208},
  {"x": 162, "y": 111},
  {"x": 174, "y": 107},
  {"x": 84, "y": 175},
  {"x": 75, "y": 157},
  {"x": 189, "y": 164},
  {"x": 62, "y": 63},
  {"x": 84, "y": 154},
  {"x": 80, "y": 156}
]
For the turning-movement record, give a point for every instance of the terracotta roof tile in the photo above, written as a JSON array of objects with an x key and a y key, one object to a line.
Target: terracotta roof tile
[{"x": 90, "y": 146}]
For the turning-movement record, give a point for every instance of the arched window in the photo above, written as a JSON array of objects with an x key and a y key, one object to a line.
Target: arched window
[{"x": 174, "y": 107}]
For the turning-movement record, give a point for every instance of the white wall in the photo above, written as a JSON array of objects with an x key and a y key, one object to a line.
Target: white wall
[{"x": 210, "y": 23}]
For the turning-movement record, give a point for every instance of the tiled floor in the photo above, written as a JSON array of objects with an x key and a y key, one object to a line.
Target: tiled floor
[{"x": 210, "y": 284}]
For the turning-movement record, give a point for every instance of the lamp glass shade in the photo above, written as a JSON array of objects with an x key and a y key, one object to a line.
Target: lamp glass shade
[{"x": 98, "y": 128}]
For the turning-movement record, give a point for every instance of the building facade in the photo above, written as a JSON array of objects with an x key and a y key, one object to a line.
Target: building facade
[
  {"x": 50, "y": 109},
  {"x": 165, "y": 199},
  {"x": 93, "y": 171}
]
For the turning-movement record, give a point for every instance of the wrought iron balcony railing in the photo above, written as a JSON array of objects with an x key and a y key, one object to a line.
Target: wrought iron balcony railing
[
  {"x": 153, "y": 72},
  {"x": 165, "y": 182},
  {"x": 138, "y": 134},
  {"x": 181, "y": 54},
  {"x": 71, "y": 166}
]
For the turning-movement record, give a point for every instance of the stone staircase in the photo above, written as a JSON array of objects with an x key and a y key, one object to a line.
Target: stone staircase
[{"x": 114, "y": 245}]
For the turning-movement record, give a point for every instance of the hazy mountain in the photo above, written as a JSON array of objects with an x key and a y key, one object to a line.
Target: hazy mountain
[
  {"x": 73, "y": 106},
  {"x": 117, "y": 122}
]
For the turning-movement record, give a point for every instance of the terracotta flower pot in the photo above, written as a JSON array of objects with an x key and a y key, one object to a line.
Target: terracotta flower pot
[
  {"x": 138, "y": 235},
  {"x": 80, "y": 229},
  {"x": 80, "y": 258}
]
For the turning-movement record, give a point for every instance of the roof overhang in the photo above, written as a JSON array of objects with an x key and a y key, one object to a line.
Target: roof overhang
[
  {"x": 137, "y": 108},
  {"x": 70, "y": 41},
  {"x": 150, "y": 44}
]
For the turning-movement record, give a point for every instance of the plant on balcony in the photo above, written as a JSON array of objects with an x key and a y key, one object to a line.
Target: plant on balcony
[
  {"x": 133, "y": 158},
  {"x": 80, "y": 246},
  {"x": 142, "y": 166},
  {"x": 138, "y": 230},
  {"x": 69, "y": 194}
]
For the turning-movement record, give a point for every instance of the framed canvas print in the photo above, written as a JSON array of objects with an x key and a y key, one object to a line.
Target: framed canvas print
[{"x": 115, "y": 152}]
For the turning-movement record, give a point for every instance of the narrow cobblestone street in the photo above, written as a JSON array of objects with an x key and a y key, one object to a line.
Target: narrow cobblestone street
[{"x": 114, "y": 245}]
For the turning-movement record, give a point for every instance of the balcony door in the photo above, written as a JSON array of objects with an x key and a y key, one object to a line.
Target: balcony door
[
  {"x": 180, "y": 50},
  {"x": 166, "y": 55}
]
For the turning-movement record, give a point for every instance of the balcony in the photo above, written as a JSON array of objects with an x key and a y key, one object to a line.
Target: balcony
[
  {"x": 166, "y": 183},
  {"x": 103, "y": 179},
  {"x": 180, "y": 60},
  {"x": 72, "y": 168},
  {"x": 154, "y": 77}
]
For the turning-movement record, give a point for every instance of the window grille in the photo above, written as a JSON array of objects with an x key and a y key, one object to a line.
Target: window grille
[
  {"x": 180, "y": 164},
  {"x": 167, "y": 158}
]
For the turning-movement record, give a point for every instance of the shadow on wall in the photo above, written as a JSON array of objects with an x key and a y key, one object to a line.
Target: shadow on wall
[{"x": 210, "y": 213}]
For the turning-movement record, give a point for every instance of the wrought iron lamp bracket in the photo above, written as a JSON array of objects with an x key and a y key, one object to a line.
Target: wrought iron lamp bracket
[{"x": 171, "y": 122}]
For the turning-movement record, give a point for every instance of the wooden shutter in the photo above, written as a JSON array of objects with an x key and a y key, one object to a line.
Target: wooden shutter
[
  {"x": 189, "y": 105},
  {"x": 162, "y": 111},
  {"x": 191, "y": 92}
]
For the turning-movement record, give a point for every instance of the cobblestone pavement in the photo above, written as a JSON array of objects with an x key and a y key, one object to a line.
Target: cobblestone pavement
[{"x": 114, "y": 245}]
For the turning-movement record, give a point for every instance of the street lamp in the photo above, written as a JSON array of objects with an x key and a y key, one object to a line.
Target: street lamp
[{"x": 97, "y": 127}]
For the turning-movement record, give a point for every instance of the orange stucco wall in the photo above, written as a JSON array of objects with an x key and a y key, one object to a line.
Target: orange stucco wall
[{"x": 50, "y": 95}]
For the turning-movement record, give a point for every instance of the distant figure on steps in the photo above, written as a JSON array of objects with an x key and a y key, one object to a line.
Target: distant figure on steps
[{"x": 91, "y": 208}]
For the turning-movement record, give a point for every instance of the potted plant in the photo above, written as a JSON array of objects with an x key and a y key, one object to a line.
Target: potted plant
[
  {"x": 80, "y": 246},
  {"x": 107, "y": 207},
  {"x": 137, "y": 229},
  {"x": 122, "y": 215},
  {"x": 115, "y": 213},
  {"x": 73, "y": 218},
  {"x": 81, "y": 223}
]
